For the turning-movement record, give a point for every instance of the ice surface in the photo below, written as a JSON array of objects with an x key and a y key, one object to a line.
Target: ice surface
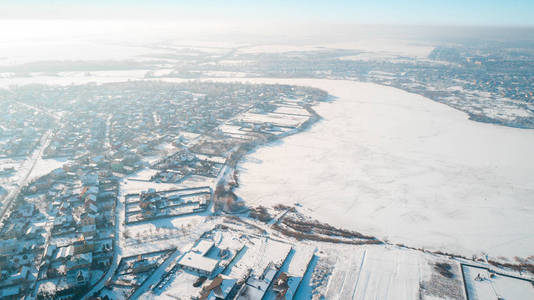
[{"x": 404, "y": 168}]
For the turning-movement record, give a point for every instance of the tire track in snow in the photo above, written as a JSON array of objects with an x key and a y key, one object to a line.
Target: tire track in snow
[{"x": 359, "y": 273}]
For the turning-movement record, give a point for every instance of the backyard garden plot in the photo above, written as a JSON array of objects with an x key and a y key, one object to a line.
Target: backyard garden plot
[
  {"x": 295, "y": 110},
  {"x": 281, "y": 120},
  {"x": 182, "y": 165},
  {"x": 133, "y": 271},
  {"x": 236, "y": 132},
  {"x": 152, "y": 205}
]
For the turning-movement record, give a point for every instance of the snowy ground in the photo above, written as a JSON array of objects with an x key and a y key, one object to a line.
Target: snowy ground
[
  {"x": 338, "y": 271},
  {"x": 392, "y": 164},
  {"x": 398, "y": 166},
  {"x": 45, "y": 166},
  {"x": 377, "y": 272},
  {"x": 404, "y": 168},
  {"x": 497, "y": 287}
]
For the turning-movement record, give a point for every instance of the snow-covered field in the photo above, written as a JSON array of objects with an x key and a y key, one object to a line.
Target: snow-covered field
[
  {"x": 404, "y": 168},
  {"x": 45, "y": 166},
  {"x": 501, "y": 287},
  {"x": 378, "y": 273}
]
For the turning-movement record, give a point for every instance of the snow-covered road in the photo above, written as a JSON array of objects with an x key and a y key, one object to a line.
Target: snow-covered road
[{"x": 33, "y": 159}]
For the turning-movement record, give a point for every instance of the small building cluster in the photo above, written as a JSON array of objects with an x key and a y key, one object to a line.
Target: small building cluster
[
  {"x": 151, "y": 205},
  {"x": 63, "y": 225}
]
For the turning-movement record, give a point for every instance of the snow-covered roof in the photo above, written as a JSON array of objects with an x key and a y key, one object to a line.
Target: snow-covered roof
[
  {"x": 199, "y": 262},
  {"x": 65, "y": 252},
  {"x": 21, "y": 274},
  {"x": 92, "y": 207},
  {"x": 92, "y": 190},
  {"x": 203, "y": 247},
  {"x": 227, "y": 284},
  {"x": 50, "y": 250},
  {"x": 47, "y": 287},
  {"x": 91, "y": 197},
  {"x": 10, "y": 291}
]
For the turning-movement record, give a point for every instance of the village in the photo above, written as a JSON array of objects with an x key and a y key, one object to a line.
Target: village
[
  {"x": 141, "y": 204},
  {"x": 62, "y": 228}
]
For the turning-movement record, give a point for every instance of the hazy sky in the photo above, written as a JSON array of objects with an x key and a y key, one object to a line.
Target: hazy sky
[{"x": 437, "y": 12}]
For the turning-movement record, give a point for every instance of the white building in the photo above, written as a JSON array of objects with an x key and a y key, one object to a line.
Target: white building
[{"x": 198, "y": 263}]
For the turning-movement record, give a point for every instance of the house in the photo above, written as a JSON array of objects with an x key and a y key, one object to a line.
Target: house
[
  {"x": 83, "y": 246},
  {"x": 91, "y": 208},
  {"x": 63, "y": 221},
  {"x": 50, "y": 250},
  {"x": 107, "y": 195},
  {"x": 256, "y": 287},
  {"x": 73, "y": 199},
  {"x": 65, "y": 253},
  {"x": 286, "y": 285},
  {"x": 90, "y": 180},
  {"x": 80, "y": 261},
  {"x": 78, "y": 277},
  {"x": 142, "y": 265},
  {"x": 102, "y": 260},
  {"x": 92, "y": 190},
  {"x": 220, "y": 288},
  {"x": 34, "y": 231},
  {"x": 198, "y": 263},
  {"x": 90, "y": 199},
  {"x": 87, "y": 218},
  {"x": 203, "y": 247},
  {"x": 20, "y": 277},
  {"x": 88, "y": 231},
  {"x": 46, "y": 290},
  {"x": 104, "y": 245}
]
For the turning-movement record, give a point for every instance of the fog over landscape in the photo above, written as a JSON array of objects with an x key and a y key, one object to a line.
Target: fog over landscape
[{"x": 267, "y": 150}]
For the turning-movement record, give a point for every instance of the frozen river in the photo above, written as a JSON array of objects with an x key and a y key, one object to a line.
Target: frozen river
[{"x": 404, "y": 168}]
